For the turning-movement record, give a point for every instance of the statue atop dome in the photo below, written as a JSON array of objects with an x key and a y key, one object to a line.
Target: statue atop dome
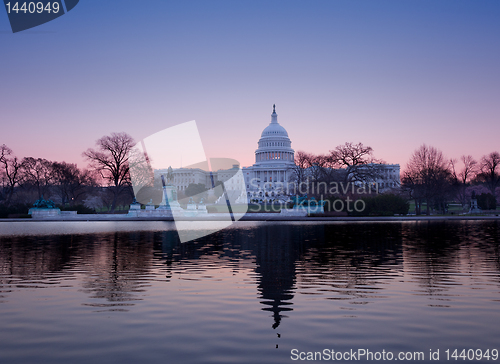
[{"x": 274, "y": 108}]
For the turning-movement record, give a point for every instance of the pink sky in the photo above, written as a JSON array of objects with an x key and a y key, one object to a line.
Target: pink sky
[{"x": 389, "y": 74}]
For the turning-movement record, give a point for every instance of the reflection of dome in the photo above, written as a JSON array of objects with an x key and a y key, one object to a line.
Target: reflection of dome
[{"x": 274, "y": 144}]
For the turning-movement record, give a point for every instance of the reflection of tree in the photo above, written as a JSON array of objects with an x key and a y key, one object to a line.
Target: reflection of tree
[
  {"x": 324, "y": 254},
  {"x": 112, "y": 266},
  {"x": 348, "y": 261},
  {"x": 32, "y": 258},
  {"x": 431, "y": 253},
  {"x": 335, "y": 261},
  {"x": 117, "y": 264},
  {"x": 435, "y": 251}
]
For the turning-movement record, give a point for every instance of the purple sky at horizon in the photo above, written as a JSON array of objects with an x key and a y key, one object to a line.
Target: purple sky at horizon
[{"x": 390, "y": 74}]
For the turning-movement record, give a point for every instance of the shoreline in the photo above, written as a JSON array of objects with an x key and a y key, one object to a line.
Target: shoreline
[{"x": 247, "y": 217}]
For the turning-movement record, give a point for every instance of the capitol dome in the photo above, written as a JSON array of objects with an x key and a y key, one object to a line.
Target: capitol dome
[
  {"x": 274, "y": 129},
  {"x": 274, "y": 144}
]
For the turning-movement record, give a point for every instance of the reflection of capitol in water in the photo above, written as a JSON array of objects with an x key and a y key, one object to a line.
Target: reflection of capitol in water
[
  {"x": 344, "y": 262},
  {"x": 249, "y": 293},
  {"x": 290, "y": 257},
  {"x": 271, "y": 251}
]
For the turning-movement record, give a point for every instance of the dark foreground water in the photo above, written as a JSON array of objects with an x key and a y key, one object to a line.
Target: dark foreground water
[{"x": 111, "y": 293}]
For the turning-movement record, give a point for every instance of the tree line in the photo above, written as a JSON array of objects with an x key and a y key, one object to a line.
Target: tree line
[
  {"x": 106, "y": 181},
  {"x": 428, "y": 179},
  {"x": 346, "y": 165},
  {"x": 433, "y": 179}
]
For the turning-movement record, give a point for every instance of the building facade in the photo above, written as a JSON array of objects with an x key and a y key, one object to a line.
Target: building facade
[
  {"x": 274, "y": 162},
  {"x": 274, "y": 168}
]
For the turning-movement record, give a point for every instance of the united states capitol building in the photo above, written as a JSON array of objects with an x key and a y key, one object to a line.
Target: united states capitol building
[
  {"x": 274, "y": 164},
  {"x": 268, "y": 179}
]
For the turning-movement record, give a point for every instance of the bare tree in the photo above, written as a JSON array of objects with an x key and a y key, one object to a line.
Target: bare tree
[
  {"x": 302, "y": 163},
  {"x": 463, "y": 178},
  {"x": 490, "y": 171},
  {"x": 10, "y": 172},
  {"x": 321, "y": 173},
  {"x": 427, "y": 177},
  {"x": 356, "y": 162},
  {"x": 111, "y": 160},
  {"x": 71, "y": 183},
  {"x": 36, "y": 173},
  {"x": 142, "y": 174},
  {"x": 348, "y": 163}
]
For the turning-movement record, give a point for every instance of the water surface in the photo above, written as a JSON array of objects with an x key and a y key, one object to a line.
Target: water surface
[{"x": 121, "y": 292}]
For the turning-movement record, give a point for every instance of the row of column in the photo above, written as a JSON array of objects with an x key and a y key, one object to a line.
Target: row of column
[
  {"x": 271, "y": 176},
  {"x": 266, "y": 156}
]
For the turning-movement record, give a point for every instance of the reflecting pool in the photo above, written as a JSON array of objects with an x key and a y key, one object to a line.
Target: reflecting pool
[{"x": 121, "y": 292}]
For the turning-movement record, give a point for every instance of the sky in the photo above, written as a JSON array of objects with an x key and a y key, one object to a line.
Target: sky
[{"x": 389, "y": 74}]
